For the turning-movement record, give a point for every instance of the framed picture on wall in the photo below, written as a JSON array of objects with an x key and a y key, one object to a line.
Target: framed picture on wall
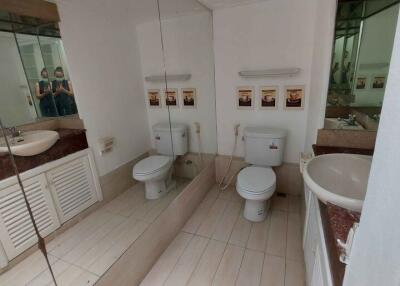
[
  {"x": 154, "y": 98},
  {"x": 244, "y": 97},
  {"x": 171, "y": 97},
  {"x": 268, "y": 98},
  {"x": 378, "y": 82},
  {"x": 189, "y": 99},
  {"x": 294, "y": 97},
  {"x": 361, "y": 82}
]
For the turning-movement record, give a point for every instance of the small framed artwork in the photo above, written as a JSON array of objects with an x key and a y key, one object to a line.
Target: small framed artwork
[
  {"x": 154, "y": 98},
  {"x": 268, "y": 97},
  {"x": 245, "y": 97},
  {"x": 189, "y": 99},
  {"x": 378, "y": 82},
  {"x": 361, "y": 82},
  {"x": 294, "y": 97},
  {"x": 171, "y": 97}
]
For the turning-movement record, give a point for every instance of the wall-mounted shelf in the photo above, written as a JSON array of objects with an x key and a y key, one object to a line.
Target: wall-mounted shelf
[
  {"x": 171, "y": 77},
  {"x": 270, "y": 72}
]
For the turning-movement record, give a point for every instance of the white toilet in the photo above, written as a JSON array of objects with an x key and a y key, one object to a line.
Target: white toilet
[
  {"x": 263, "y": 149},
  {"x": 156, "y": 170}
]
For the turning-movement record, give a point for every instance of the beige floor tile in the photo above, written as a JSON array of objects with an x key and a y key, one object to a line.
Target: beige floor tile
[
  {"x": 97, "y": 235},
  {"x": 229, "y": 266},
  {"x": 78, "y": 233},
  {"x": 121, "y": 243},
  {"x": 294, "y": 249},
  {"x": 75, "y": 276},
  {"x": 273, "y": 271},
  {"x": 128, "y": 201},
  {"x": 231, "y": 194},
  {"x": 98, "y": 249},
  {"x": 259, "y": 234},
  {"x": 208, "y": 264},
  {"x": 211, "y": 221},
  {"x": 294, "y": 203},
  {"x": 294, "y": 275},
  {"x": 166, "y": 263},
  {"x": 44, "y": 278},
  {"x": 26, "y": 270},
  {"x": 251, "y": 268},
  {"x": 278, "y": 233},
  {"x": 225, "y": 226},
  {"x": 280, "y": 203},
  {"x": 201, "y": 212},
  {"x": 186, "y": 264},
  {"x": 161, "y": 205},
  {"x": 241, "y": 231}
]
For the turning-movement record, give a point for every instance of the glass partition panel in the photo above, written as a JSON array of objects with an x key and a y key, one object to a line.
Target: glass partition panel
[
  {"x": 17, "y": 106},
  {"x": 189, "y": 61}
]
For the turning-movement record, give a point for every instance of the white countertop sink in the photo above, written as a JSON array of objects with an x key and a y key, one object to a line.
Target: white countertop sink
[
  {"x": 30, "y": 143},
  {"x": 340, "y": 179}
]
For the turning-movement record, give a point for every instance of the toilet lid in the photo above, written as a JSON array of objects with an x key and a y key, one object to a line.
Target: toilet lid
[
  {"x": 151, "y": 164},
  {"x": 256, "y": 179}
]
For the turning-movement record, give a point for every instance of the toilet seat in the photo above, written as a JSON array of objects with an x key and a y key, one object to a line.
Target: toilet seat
[
  {"x": 255, "y": 180},
  {"x": 151, "y": 165}
]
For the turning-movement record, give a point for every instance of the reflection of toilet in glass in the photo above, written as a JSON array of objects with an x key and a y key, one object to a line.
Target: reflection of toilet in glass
[
  {"x": 156, "y": 170},
  {"x": 263, "y": 149}
]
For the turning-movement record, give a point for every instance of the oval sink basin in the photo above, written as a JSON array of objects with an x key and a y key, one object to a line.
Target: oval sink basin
[
  {"x": 30, "y": 143},
  {"x": 340, "y": 179}
]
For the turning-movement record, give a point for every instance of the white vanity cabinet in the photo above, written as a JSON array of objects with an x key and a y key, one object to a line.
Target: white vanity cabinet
[
  {"x": 315, "y": 253},
  {"x": 16, "y": 228},
  {"x": 57, "y": 191},
  {"x": 72, "y": 187}
]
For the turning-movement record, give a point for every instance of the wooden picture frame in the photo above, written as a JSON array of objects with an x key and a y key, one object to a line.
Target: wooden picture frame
[
  {"x": 154, "y": 98},
  {"x": 244, "y": 97},
  {"x": 294, "y": 97},
  {"x": 268, "y": 98},
  {"x": 171, "y": 98},
  {"x": 189, "y": 98},
  {"x": 378, "y": 82}
]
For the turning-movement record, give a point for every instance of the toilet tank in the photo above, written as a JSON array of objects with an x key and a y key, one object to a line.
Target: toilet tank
[
  {"x": 264, "y": 146},
  {"x": 162, "y": 137}
]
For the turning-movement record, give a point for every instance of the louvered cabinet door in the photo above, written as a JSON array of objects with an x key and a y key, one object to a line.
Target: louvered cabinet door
[
  {"x": 73, "y": 188},
  {"x": 16, "y": 228}
]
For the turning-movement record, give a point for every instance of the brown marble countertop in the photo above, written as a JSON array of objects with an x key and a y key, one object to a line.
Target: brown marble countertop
[
  {"x": 71, "y": 141},
  {"x": 321, "y": 150},
  {"x": 337, "y": 221}
]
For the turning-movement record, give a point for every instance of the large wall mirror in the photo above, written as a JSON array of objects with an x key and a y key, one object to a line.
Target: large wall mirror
[
  {"x": 364, "y": 35},
  {"x": 34, "y": 71}
]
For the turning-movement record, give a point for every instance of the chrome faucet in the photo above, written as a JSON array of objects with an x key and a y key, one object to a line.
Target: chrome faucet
[
  {"x": 14, "y": 132},
  {"x": 351, "y": 121}
]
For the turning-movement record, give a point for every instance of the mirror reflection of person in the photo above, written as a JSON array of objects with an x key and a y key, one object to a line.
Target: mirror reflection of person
[
  {"x": 44, "y": 94},
  {"x": 63, "y": 93}
]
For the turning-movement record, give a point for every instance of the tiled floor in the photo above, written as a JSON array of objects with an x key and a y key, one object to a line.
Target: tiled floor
[
  {"x": 217, "y": 246},
  {"x": 84, "y": 252}
]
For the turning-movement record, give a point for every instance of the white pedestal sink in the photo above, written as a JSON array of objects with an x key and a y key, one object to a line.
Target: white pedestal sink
[
  {"x": 30, "y": 143},
  {"x": 340, "y": 179}
]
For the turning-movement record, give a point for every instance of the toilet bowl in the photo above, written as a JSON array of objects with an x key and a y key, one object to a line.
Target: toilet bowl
[
  {"x": 155, "y": 172},
  {"x": 256, "y": 185}
]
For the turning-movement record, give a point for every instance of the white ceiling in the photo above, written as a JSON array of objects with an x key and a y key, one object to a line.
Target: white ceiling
[{"x": 216, "y": 4}]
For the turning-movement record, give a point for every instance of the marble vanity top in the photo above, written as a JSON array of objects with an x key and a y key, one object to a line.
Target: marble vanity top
[{"x": 71, "y": 141}]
